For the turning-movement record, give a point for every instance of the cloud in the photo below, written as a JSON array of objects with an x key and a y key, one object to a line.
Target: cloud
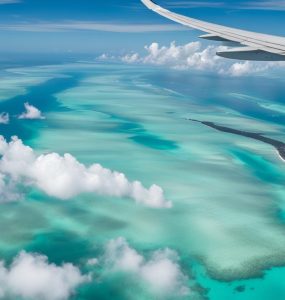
[
  {"x": 130, "y": 58},
  {"x": 193, "y": 4},
  {"x": 245, "y": 68},
  {"x": 31, "y": 276},
  {"x": 4, "y": 118},
  {"x": 106, "y": 57},
  {"x": 92, "y": 262},
  {"x": 161, "y": 271},
  {"x": 9, "y": 1},
  {"x": 193, "y": 56},
  {"x": 264, "y": 5},
  {"x": 249, "y": 5},
  {"x": 90, "y": 26},
  {"x": 64, "y": 177},
  {"x": 31, "y": 113}
]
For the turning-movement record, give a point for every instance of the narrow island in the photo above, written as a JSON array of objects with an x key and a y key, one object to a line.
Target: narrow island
[{"x": 278, "y": 145}]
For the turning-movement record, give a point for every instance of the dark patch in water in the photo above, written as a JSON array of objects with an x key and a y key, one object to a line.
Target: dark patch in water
[
  {"x": 153, "y": 142},
  {"x": 240, "y": 288},
  {"x": 61, "y": 246}
]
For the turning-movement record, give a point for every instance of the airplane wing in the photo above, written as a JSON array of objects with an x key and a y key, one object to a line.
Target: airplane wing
[{"x": 251, "y": 45}]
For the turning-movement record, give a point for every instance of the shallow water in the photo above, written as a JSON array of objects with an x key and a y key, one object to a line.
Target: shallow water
[{"x": 227, "y": 191}]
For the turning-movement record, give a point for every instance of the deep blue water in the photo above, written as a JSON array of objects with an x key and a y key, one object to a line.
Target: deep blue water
[
  {"x": 41, "y": 96},
  {"x": 215, "y": 91}
]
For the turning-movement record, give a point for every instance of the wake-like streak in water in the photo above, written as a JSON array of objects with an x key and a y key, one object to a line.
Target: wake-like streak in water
[{"x": 278, "y": 145}]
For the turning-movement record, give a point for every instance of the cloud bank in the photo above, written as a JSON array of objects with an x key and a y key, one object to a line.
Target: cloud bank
[
  {"x": 9, "y": 1},
  {"x": 264, "y": 5},
  {"x": 245, "y": 5},
  {"x": 31, "y": 113},
  {"x": 193, "y": 56},
  {"x": 31, "y": 276},
  {"x": 4, "y": 118},
  {"x": 161, "y": 271},
  {"x": 64, "y": 177}
]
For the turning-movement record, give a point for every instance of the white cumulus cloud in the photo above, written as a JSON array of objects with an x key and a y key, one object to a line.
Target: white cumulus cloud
[
  {"x": 31, "y": 276},
  {"x": 244, "y": 68},
  {"x": 31, "y": 112},
  {"x": 194, "y": 56},
  {"x": 4, "y": 118},
  {"x": 64, "y": 177},
  {"x": 131, "y": 58},
  {"x": 161, "y": 271}
]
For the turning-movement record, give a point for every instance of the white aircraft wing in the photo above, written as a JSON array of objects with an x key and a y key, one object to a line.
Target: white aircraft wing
[{"x": 251, "y": 45}]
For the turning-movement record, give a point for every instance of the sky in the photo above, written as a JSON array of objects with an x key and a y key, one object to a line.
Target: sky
[{"x": 120, "y": 26}]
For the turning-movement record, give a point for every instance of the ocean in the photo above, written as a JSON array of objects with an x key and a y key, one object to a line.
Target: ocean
[{"x": 226, "y": 224}]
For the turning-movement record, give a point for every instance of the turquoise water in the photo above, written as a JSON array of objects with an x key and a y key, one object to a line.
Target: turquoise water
[{"x": 226, "y": 224}]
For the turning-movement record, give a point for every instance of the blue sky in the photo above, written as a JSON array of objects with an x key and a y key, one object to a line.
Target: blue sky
[{"x": 118, "y": 26}]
